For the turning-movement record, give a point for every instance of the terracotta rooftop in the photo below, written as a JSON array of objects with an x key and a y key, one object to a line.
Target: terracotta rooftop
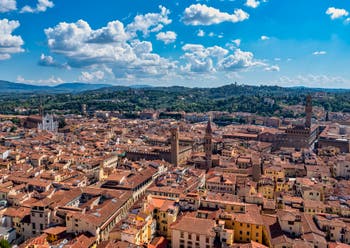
[{"x": 195, "y": 225}]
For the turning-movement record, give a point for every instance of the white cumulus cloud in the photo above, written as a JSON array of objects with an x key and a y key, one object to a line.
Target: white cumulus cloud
[
  {"x": 264, "y": 37},
  {"x": 113, "y": 32},
  {"x": 201, "y": 59},
  {"x": 167, "y": 37},
  {"x": 252, "y": 3},
  {"x": 201, "y": 14},
  {"x": 9, "y": 43},
  {"x": 239, "y": 60},
  {"x": 150, "y": 22},
  {"x": 213, "y": 59},
  {"x": 314, "y": 80},
  {"x": 200, "y": 33},
  {"x": 49, "y": 61},
  {"x": 335, "y": 13},
  {"x": 234, "y": 44},
  {"x": 50, "y": 81},
  {"x": 7, "y": 5},
  {"x": 41, "y": 6},
  {"x": 319, "y": 53},
  {"x": 272, "y": 68},
  {"x": 237, "y": 42},
  {"x": 94, "y": 76},
  {"x": 111, "y": 46}
]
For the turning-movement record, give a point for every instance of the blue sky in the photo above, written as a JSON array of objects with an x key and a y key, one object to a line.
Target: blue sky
[{"x": 191, "y": 43}]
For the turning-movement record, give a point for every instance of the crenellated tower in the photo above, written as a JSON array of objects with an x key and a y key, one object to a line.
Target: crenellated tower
[
  {"x": 208, "y": 145},
  {"x": 308, "y": 111},
  {"x": 174, "y": 141}
]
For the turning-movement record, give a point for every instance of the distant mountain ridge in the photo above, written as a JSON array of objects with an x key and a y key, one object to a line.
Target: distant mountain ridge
[
  {"x": 10, "y": 87},
  {"x": 79, "y": 87},
  {"x": 7, "y": 87}
]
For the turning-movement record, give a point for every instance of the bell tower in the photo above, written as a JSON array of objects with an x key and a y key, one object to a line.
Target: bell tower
[{"x": 41, "y": 108}]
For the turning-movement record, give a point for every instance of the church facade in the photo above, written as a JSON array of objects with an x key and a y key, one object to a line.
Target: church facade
[{"x": 48, "y": 124}]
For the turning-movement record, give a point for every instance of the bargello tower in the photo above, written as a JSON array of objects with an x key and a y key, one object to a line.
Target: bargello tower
[
  {"x": 174, "y": 142},
  {"x": 308, "y": 111},
  {"x": 208, "y": 145}
]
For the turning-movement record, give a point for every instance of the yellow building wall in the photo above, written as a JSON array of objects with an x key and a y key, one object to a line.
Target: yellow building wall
[
  {"x": 51, "y": 238},
  {"x": 273, "y": 174},
  {"x": 244, "y": 232},
  {"x": 267, "y": 191}
]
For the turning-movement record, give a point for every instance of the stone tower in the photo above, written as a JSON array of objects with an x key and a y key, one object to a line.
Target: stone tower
[
  {"x": 41, "y": 109},
  {"x": 308, "y": 111},
  {"x": 101, "y": 174},
  {"x": 174, "y": 141},
  {"x": 256, "y": 170},
  {"x": 208, "y": 145},
  {"x": 84, "y": 109}
]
